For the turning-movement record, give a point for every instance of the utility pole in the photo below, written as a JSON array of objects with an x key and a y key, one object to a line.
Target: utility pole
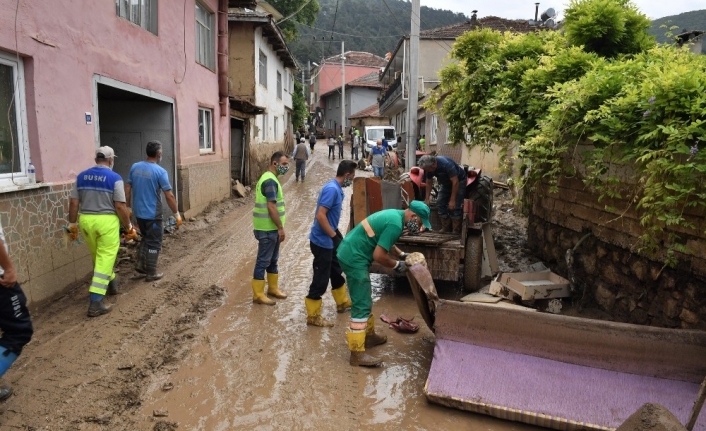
[
  {"x": 343, "y": 91},
  {"x": 413, "y": 102}
]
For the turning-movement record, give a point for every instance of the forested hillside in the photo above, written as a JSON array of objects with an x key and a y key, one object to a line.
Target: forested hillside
[
  {"x": 364, "y": 25},
  {"x": 695, "y": 20}
]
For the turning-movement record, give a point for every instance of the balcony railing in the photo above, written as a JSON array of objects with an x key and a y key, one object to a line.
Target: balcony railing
[{"x": 390, "y": 94}]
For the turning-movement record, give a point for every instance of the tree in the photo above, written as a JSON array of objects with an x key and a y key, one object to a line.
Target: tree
[
  {"x": 299, "y": 110},
  {"x": 301, "y": 11},
  {"x": 607, "y": 27}
]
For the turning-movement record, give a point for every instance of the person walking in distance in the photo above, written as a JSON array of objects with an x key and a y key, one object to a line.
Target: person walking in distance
[
  {"x": 373, "y": 239},
  {"x": 15, "y": 321},
  {"x": 301, "y": 155},
  {"x": 356, "y": 146},
  {"x": 145, "y": 185},
  {"x": 268, "y": 225},
  {"x": 323, "y": 242},
  {"x": 340, "y": 146},
  {"x": 452, "y": 178},
  {"x": 332, "y": 147},
  {"x": 377, "y": 158},
  {"x": 99, "y": 197},
  {"x": 312, "y": 141}
]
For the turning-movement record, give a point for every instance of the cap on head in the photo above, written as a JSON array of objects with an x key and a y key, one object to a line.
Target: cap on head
[
  {"x": 422, "y": 210},
  {"x": 105, "y": 153},
  {"x": 302, "y": 140}
]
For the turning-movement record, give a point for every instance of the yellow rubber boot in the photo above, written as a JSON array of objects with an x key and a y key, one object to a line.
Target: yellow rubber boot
[
  {"x": 313, "y": 313},
  {"x": 340, "y": 295},
  {"x": 356, "y": 344},
  {"x": 273, "y": 286},
  {"x": 371, "y": 338},
  {"x": 258, "y": 293}
]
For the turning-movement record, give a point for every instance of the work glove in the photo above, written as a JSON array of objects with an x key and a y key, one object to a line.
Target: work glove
[
  {"x": 130, "y": 233},
  {"x": 179, "y": 221},
  {"x": 401, "y": 267},
  {"x": 337, "y": 239},
  {"x": 73, "y": 231}
]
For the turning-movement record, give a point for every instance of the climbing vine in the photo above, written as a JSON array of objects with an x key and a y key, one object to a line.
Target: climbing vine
[{"x": 631, "y": 123}]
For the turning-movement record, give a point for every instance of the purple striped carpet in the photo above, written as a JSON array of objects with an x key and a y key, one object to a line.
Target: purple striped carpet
[{"x": 471, "y": 375}]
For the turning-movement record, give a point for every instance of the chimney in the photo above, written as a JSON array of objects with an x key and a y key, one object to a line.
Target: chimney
[{"x": 536, "y": 11}]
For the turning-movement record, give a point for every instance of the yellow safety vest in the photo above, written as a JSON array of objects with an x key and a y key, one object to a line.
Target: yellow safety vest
[{"x": 260, "y": 216}]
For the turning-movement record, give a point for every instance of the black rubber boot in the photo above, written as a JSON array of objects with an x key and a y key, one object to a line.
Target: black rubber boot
[
  {"x": 140, "y": 264},
  {"x": 151, "y": 266},
  {"x": 113, "y": 288},
  {"x": 98, "y": 308}
]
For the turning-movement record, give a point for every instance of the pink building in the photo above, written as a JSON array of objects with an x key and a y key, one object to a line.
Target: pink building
[
  {"x": 76, "y": 75},
  {"x": 327, "y": 76}
]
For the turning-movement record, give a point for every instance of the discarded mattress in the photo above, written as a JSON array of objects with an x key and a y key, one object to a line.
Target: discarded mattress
[{"x": 560, "y": 372}]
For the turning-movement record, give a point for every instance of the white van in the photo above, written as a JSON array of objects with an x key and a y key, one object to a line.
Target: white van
[{"x": 372, "y": 133}]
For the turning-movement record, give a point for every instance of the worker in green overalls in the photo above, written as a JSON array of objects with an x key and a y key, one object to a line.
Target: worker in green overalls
[{"x": 373, "y": 239}]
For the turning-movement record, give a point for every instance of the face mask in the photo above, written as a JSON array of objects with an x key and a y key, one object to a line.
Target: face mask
[
  {"x": 111, "y": 165},
  {"x": 412, "y": 226},
  {"x": 347, "y": 182},
  {"x": 281, "y": 170}
]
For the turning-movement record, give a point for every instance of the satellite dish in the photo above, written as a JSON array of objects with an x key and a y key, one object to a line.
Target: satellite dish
[{"x": 549, "y": 13}]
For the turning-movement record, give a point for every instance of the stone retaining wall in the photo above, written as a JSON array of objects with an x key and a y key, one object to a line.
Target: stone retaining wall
[{"x": 631, "y": 287}]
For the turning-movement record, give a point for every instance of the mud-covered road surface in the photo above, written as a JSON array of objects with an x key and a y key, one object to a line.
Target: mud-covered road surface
[{"x": 192, "y": 352}]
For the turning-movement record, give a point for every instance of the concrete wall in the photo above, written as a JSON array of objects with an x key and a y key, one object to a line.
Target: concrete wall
[
  {"x": 33, "y": 222},
  {"x": 242, "y": 76},
  {"x": 64, "y": 45},
  {"x": 202, "y": 184},
  {"x": 628, "y": 286}
]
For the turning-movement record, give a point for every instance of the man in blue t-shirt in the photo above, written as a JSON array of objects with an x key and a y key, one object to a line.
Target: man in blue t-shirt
[
  {"x": 452, "y": 178},
  {"x": 323, "y": 241},
  {"x": 145, "y": 184}
]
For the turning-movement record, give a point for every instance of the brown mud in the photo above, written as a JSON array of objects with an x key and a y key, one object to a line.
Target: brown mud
[{"x": 191, "y": 351}]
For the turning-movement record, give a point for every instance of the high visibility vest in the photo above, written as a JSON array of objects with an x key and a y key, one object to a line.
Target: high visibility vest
[{"x": 260, "y": 217}]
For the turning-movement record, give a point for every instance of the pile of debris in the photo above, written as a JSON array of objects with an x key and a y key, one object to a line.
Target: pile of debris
[{"x": 537, "y": 288}]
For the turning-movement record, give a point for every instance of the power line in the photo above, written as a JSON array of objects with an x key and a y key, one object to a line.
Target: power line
[
  {"x": 350, "y": 35},
  {"x": 335, "y": 15}
]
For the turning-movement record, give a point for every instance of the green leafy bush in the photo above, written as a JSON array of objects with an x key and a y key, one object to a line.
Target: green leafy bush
[{"x": 630, "y": 120}]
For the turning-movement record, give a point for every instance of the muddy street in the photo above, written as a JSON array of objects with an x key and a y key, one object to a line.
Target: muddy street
[{"x": 192, "y": 352}]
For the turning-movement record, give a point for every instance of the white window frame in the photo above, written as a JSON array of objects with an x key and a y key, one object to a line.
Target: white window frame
[
  {"x": 279, "y": 86},
  {"x": 446, "y": 138},
  {"x": 10, "y": 180},
  {"x": 403, "y": 119},
  {"x": 205, "y": 130},
  {"x": 276, "y": 127},
  {"x": 144, "y": 15},
  {"x": 265, "y": 126},
  {"x": 205, "y": 36},
  {"x": 433, "y": 130},
  {"x": 262, "y": 69},
  {"x": 291, "y": 81}
]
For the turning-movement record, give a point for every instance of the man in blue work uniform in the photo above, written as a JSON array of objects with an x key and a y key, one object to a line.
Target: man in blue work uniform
[
  {"x": 323, "y": 242},
  {"x": 145, "y": 185},
  {"x": 452, "y": 178},
  {"x": 99, "y": 196}
]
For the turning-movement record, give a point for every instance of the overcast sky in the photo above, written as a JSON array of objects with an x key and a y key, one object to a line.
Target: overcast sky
[{"x": 524, "y": 9}]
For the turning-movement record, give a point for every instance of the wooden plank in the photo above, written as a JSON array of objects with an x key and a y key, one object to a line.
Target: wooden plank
[
  {"x": 489, "y": 249},
  {"x": 373, "y": 189},
  {"x": 359, "y": 203},
  {"x": 428, "y": 239},
  {"x": 480, "y": 297},
  {"x": 537, "y": 285}
]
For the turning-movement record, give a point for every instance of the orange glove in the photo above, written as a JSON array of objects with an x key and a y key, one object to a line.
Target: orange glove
[
  {"x": 73, "y": 231},
  {"x": 179, "y": 221},
  {"x": 131, "y": 234}
]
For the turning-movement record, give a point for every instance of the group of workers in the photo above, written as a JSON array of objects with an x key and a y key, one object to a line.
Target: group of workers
[
  {"x": 101, "y": 206},
  {"x": 334, "y": 255},
  {"x": 107, "y": 204}
]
